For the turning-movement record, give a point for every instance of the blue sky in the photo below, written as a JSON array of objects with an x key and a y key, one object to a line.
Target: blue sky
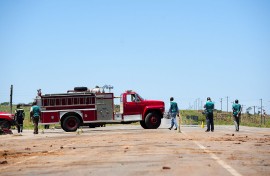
[{"x": 185, "y": 49}]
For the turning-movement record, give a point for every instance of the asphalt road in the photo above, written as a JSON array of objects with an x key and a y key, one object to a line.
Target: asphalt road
[{"x": 131, "y": 150}]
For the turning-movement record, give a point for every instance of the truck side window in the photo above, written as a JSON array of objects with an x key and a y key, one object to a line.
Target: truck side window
[
  {"x": 129, "y": 98},
  {"x": 136, "y": 98},
  {"x": 132, "y": 98}
]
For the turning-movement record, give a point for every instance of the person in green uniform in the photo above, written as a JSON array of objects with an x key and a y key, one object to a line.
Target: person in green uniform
[
  {"x": 35, "y": 115},
  {"x": 173, "y": 111},
  {"x": 209, "y": 108},
  {"x": 236, "y": 107}
]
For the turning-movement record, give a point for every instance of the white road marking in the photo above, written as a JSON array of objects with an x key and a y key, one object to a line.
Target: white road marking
[{"x": 219, "y": 161}]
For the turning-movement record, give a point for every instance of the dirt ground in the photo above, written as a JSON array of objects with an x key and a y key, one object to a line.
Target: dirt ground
[{"x": 131, "y": 150}]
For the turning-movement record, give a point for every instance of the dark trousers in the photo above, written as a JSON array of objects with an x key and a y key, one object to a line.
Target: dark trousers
[
  {"x": 20, "y": 128},
  {"x": 35, "y": 121},
  {"x": 210, "y": 121},
  {"x": 173, "y": 121},
  {"x": 20, "y": 125},
  {"x": 236, "y": 119}
]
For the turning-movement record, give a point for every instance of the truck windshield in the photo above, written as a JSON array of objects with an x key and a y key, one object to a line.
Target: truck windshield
[{"x": 140, "y": 97}]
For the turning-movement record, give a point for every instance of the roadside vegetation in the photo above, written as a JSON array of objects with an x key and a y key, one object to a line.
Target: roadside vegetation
[
  {"x": 189, "y": 117},
  {"x": 193, "y": 117}
]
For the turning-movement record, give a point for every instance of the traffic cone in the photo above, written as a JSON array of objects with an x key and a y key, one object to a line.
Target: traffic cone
[
  {"x": 202, "y": 125},
  {"x": 81, "y": 130}
]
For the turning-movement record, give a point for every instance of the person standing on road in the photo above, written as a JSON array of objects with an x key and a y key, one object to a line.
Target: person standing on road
[
  {"x": 35, "y": 115},
  {"x": 19, "y": 117},
  {"x": 236, "y": 107},
  {"x": 209, "y": 108},
  {"x": 173, "y": 111}
]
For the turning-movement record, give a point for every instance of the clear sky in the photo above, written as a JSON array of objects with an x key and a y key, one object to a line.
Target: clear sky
[{"x": 188, "y": 49}]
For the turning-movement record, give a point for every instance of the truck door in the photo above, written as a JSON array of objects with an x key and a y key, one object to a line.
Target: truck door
[{"x": 132, "y": 105}]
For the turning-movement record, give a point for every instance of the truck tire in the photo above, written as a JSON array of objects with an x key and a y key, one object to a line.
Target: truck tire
[
  {"x": 80, "y": 89},
  {"x": 142, "y": 122},
  {"x": 152, "y": 120},
  {"x": 71, "y": 123}
]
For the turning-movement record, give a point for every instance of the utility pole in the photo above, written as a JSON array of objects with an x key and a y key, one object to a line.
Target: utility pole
[
  {"x": 198, "y": 103},
  {"x": 261, "y": 110},
  {"x": 11, "y": 94},
  {"x": 254, "y": 109},
  {"x": 221, "y": 104},
  {"x": 227, "y": 103}
]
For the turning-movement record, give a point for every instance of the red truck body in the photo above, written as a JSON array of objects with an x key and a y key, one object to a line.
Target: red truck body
[
  {"x": 89, "y": 107},
  {"x": 6, "y": 120}
]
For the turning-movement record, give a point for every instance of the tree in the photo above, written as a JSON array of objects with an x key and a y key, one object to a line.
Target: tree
[{"x": 5, "y": 103}]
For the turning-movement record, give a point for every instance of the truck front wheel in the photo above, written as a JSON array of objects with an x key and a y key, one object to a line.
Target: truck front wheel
[
  {"x": 152, "y": 120},
  {"x": 5, "y": 124},
  {"x": 142, "y": 122},
  {"x": 71, "y": 123}
]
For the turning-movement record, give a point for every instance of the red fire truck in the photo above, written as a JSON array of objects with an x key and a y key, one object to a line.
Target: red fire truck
[{"x": 83, "y": 106}]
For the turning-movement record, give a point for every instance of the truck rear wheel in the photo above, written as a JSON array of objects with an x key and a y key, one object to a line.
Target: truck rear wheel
[
  {"x": 71, "y": 123},
  {"x": 152, "y": 120}
]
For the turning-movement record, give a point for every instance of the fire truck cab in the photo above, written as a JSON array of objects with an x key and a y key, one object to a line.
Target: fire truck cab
[{"x": 83, "y": 106}]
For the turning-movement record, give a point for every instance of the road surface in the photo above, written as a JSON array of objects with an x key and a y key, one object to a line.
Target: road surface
[{"x": 131, "y": 150}]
